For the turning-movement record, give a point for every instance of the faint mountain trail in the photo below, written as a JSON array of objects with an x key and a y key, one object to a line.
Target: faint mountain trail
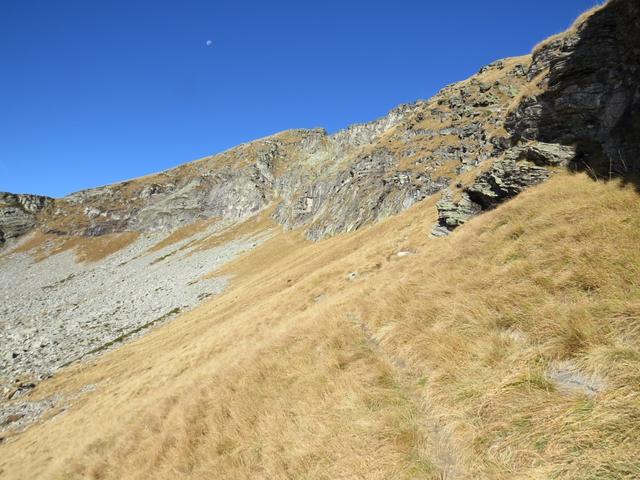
[{"x": 440, "y": 448}]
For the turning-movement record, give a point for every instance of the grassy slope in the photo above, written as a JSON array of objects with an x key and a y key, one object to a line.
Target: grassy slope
[{"x": 429, "y": 365}]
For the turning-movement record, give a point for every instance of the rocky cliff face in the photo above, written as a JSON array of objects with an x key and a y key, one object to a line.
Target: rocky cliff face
[
  {"x": 579, "y": 108},
  {"x": 587, "y": 92},
  {"x": 18, "y": 213}
]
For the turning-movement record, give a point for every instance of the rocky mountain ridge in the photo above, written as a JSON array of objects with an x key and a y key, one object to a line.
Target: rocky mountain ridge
[
  {"x": 323, "y": 183},
  {"x": 579, "y": 90}
]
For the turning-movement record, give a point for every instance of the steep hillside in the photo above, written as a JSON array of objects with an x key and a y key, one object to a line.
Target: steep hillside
[
  {"x": 507, "y": 350},
  {"x": 102, "y": 265},
  {"x": 334, "y": 306}
]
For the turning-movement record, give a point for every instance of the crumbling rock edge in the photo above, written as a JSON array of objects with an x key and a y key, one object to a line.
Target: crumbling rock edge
[{"x": 519, "y": 168}]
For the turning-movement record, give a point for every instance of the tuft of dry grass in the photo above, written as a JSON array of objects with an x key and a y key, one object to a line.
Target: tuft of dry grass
[{"x": 575, "y": 27}]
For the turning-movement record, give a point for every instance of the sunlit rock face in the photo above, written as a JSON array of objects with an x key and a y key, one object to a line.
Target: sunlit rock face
[{"x": 18, "y": 213}]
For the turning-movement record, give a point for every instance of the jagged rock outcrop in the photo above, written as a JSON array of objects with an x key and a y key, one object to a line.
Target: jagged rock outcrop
[
  {"x": 452, "y": 214},
  {"x": 18, "y": 213},
  {"x": 545, "y": 154},
  {"x": 518, "y": 168},
  {"x": 369, "y": 189},
  {"x": 580, "y": 109},
  {"x": 588, "y": 93},
  {"x": 505, "y": 179}
]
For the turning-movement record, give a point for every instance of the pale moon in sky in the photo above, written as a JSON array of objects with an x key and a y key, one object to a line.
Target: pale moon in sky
[{"x": 209, "y": 43}]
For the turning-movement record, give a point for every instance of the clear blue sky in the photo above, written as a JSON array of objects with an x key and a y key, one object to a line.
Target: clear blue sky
[{"x": 92, "y": 92}]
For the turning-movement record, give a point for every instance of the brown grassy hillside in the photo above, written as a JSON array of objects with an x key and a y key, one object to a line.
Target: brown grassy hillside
[{"x": 508, "y": 350}]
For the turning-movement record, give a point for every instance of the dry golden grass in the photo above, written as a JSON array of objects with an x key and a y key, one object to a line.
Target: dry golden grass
[
  {"x": 552, "y": 275},
  {"x": 575, "y": 27},
  {"x": 183, "y": 233},
  {"x": 259, "y": 223},
  {"x": 35, "y": 242},
  {"x": 92, "y": 249},
  {"x": 493, "y": 75},
  {"x": 74, "y": 217},
  {"x": 87, "y": 249},
  {"x": 432, "y": 365}
]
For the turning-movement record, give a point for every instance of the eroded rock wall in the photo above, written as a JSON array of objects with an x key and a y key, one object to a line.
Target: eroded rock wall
[
  {"x": 589, "y": 91},
  {"x": 579, "y": 109},
  {"x": 324, "y": 184},
  {"x": 18, "y": 213}
]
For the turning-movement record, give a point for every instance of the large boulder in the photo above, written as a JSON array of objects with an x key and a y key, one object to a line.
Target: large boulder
[
  {"x": 505, "y": 179},
  {"x": 548, "y": 154}
]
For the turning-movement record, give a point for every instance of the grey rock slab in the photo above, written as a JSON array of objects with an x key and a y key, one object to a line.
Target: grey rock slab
[{"x": 569, "y": 378}]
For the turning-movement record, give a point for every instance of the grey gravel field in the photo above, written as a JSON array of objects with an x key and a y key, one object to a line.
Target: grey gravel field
[{"x": 58, "y": 311}]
